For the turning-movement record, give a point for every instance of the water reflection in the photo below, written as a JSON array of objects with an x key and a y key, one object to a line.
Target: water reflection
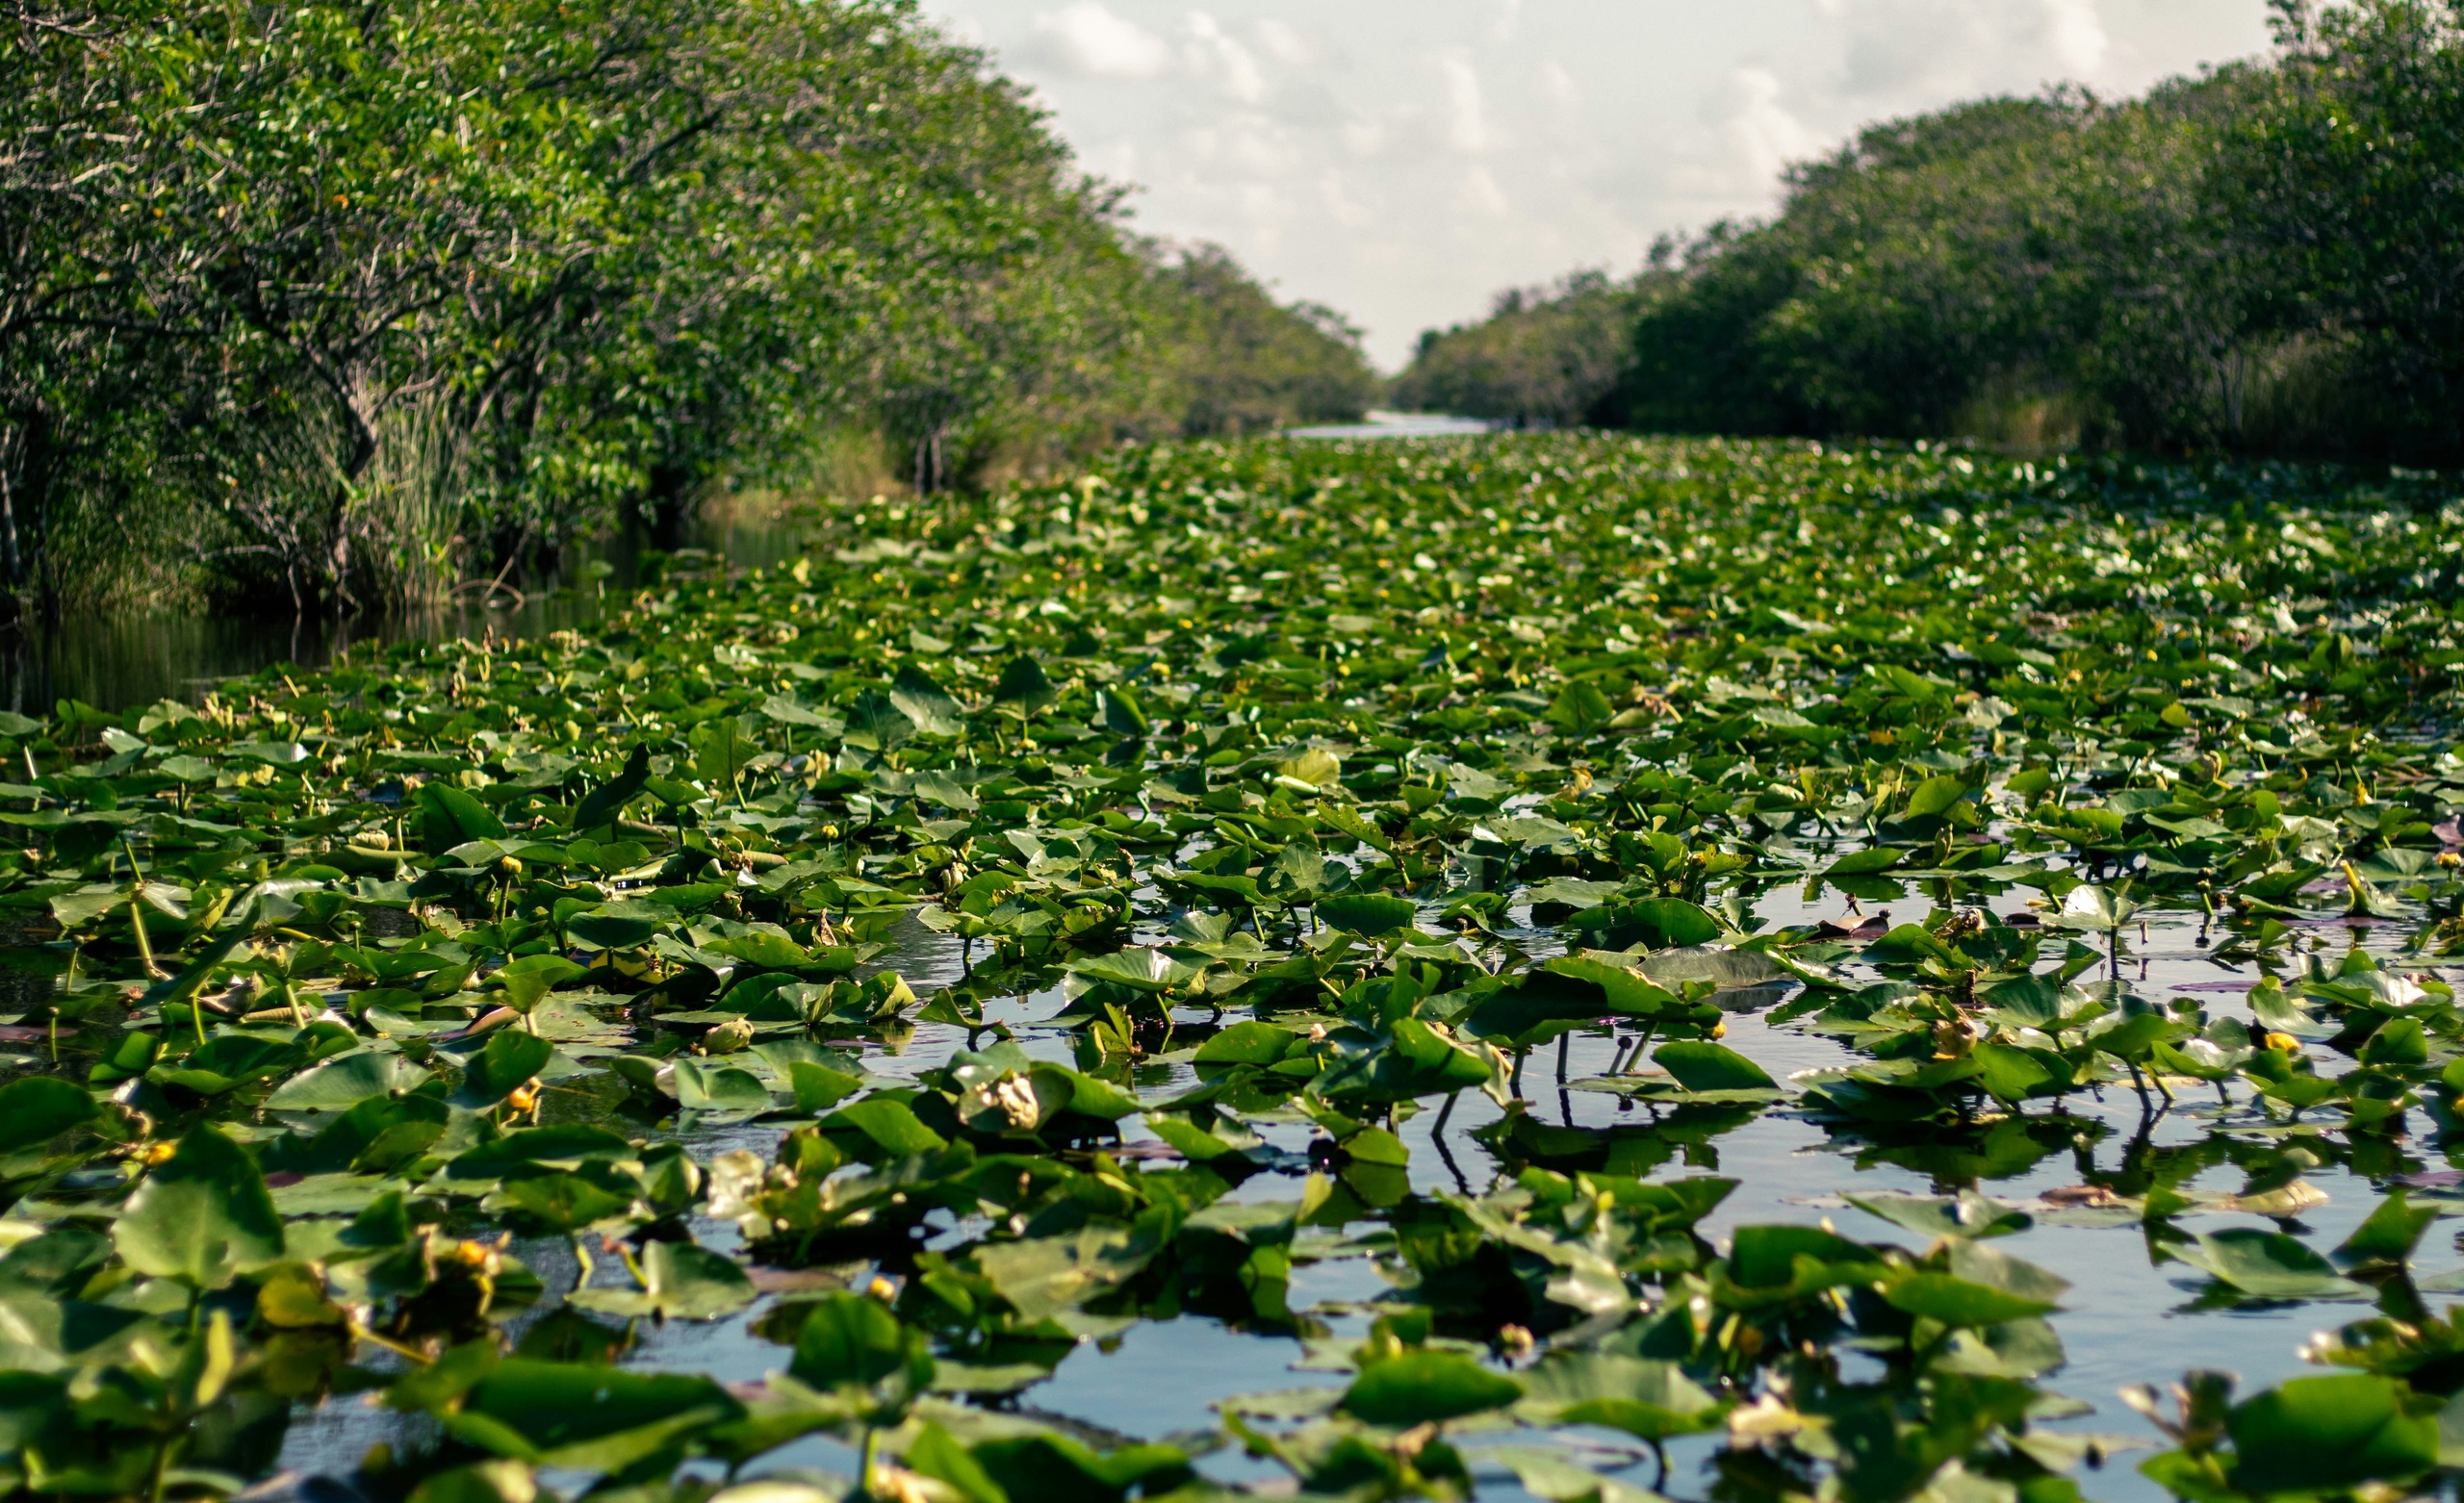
[
  {"x": 2132, "y": 1318},
  {"x": 1400, "y": 425},
  {"x": 113, "y": 660}
]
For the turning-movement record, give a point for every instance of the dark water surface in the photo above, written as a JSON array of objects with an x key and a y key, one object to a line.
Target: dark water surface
[{"x": 115, "y": 660}]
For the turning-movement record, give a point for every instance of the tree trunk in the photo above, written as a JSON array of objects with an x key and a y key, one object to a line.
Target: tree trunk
[
  {"x": 671, "y": 497},
  {"x": 930, "y": 466},
  {"x": 338, "y": 557},
  {"x": 25, "y": 491}
]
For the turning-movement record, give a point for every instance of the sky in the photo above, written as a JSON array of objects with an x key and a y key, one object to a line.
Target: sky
[{"x": 1405, "y": 160}]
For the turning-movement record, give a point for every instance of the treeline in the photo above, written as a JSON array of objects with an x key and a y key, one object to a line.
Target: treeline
[
  {"x": 2261, "y": 259},
  {"x": 1543, "y": 357},
  {"x": 338, "y": 305}
]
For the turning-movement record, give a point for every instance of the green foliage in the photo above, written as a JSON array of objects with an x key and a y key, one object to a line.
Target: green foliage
[
  {"x": 2243, "y": 260},
  {"x": 1247, "y": 365},
  {"x": 1546, "y": 357},
  {"x": 330, "y": 305},
  {"x": 1308, "y": 828}
]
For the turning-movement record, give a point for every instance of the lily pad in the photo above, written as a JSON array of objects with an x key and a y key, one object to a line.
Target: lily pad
[{"x": 201, "y": 1216}]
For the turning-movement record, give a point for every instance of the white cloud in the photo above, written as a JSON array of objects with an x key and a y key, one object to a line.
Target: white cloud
[
  {"x": 1116, "y": 161},
  {"x": 1477, "y": 193},
  {"x": 1089, "y": 40},
  {"x": 2076, "y": 35},
  {"x": 1402, "y": 160},
  {"x": 1279, "y": 41},
  {"x": 1763, "y": 135},
  {"x": 1932, "y": 49},
  {"x": 1213, "y": 53},
  {"x": 1558, "y": 85},
  {"x": 1341, "y": 206},
  {"x": 1467, "y": 127}
]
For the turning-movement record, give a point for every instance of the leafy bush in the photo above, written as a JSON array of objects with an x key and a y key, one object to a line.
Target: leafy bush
[
  {"x": 330, "y": 303},
  {"x": 2251, "y": 260}
]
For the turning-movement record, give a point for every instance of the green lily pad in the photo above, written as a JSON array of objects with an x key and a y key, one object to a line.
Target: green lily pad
[
  {"x": 2267, "y": 1265},
  {"x": 1417, "y": 1388},
  {"x": 680, "y": 1282},
  {"x": 36, "y": 1109},
  {"x": 201, "y": 1216}
]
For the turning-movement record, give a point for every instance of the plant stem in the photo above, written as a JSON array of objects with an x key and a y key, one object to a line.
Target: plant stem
[
  {"x": 361, "y": 1333},
  {"x": 145, "y": 941}
]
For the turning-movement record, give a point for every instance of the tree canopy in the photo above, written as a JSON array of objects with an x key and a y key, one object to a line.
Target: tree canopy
[
  {"x": 2256, "y": 259},
  {"x": 330, "y": 303}
]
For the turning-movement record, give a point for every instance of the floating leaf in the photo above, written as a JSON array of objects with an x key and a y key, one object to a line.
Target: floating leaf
[
  {"x": 1147, "y": 969},
  {"x": 1965, "y": 1215},
  {"x": 2267, "y": 1265},
  {"x": 2317, "y": 1434},
  {"x": 2387, "y": 1233},
  {"x": 680, "y": 1282},
  {"x": 201, "y": 1216},
  {"x": 340, "y": 1084},
  {"x": 924, "y": 702},
  {"x": 602, "y": 804},
  {"x": 1417, "y": 1388},
  {"x": 502, "y": 1065},
  {"x": 36, "y": 1109},
  {"x": 1370, "y": 914},
  {"x": 1024, "y": 689},
  {"x": 584, "y": 1416},
  {"x": 1700, "y": 1065},
  {"x": 712, "y": 1088}
]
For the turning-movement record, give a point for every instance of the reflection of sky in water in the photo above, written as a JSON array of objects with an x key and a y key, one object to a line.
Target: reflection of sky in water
[
  {"x": 2125, "y": 1321},
  {"x": 1399, "y": 425}
]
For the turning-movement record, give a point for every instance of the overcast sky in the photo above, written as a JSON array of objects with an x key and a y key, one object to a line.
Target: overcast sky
[{"x": 1403, "y": 160}]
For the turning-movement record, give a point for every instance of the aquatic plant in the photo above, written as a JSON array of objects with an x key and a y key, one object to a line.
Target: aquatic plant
[{"x": 1039, "y": 913}]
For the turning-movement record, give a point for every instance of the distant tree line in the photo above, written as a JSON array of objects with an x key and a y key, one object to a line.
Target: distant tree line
[
  {"x": 1543, "y": 357},
  {"x": 2260, "y": 259},
  {"x": 340, "y": 304}
]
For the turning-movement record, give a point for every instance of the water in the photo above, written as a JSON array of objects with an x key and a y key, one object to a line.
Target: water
[
  {"x": 2126, "y": 1320},
  {"x": 1400, "y": 425},
  {"x": 116, "y": 661}
]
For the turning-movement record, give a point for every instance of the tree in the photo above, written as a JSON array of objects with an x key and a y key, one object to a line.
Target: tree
[
  {"x": 1546, "y": 355},
  {"x": 328, "y": 303},
  {"x": 2349, "y": 178}
]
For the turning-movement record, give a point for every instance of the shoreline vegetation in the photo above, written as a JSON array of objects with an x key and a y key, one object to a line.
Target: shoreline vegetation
[
  {"x": 2256, "y": 261},
  {"x": 345, "y": 310},
  {"x": 327, "y": 308}
]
